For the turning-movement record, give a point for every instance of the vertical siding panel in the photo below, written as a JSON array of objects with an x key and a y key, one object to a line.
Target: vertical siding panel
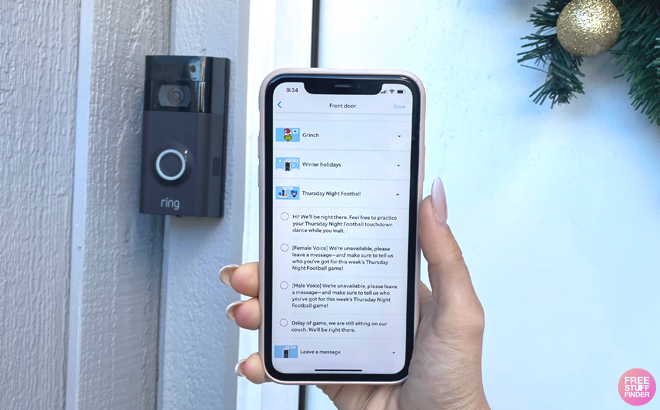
[
  {"x": 122, "y": 256},
  {"x": 38, "y": 73}
]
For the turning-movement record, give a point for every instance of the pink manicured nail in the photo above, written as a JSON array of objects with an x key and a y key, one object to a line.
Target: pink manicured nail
[
  {"x": 439, "y": 201},
  {"x": 225, "y": 274},
  {"x": 232, "y": 308},
  {"x": 239, "y": 368}
]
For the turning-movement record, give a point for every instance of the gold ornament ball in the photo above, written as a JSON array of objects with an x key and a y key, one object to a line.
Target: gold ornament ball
[{"x": 588, "y": 27}]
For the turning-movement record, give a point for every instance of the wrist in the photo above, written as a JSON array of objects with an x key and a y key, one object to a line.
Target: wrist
[{"x": 477, "y": 402}]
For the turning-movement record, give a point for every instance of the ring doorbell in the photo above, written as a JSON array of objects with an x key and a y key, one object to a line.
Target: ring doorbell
[{"x": 184, "y": 135}]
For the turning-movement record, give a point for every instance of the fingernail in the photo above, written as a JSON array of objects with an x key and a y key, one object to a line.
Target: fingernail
[
  {"x": 239, "y": 368},
  {"x": 225, "y": 274},
  {"x": 232, "y": 308},
  {"x": 439, "y": 201}
]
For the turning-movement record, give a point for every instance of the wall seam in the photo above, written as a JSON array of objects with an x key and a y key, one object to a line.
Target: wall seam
[
  {"x": 162, "y": 309},
  {"x": 78, "y": 209}
]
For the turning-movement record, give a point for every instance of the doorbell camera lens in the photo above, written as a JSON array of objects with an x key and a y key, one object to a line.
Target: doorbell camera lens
[
  {"x": 184, "y": 136},
  {"x": 174, "y": 95}
]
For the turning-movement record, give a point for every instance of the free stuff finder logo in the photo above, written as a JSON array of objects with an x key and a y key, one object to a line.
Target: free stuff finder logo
[
  {"x": 637, "y": 387},
  {"x": 287, "y": 192},
  {"x": 287, "y": 134}
]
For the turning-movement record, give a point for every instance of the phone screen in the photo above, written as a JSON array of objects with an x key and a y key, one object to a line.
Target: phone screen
[{"x": 341, "y": 201}]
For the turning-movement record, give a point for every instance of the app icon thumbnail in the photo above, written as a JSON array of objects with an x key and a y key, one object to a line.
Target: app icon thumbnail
[
  {"x": 286, "y": 352},
  {"x": 287, "y": 192},
  {"x": 287, "y": 134},
  {"x": 287, "y": 163}
]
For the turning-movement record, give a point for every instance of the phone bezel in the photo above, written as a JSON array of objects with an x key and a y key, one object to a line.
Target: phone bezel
[{"x": 325, "y": 84}]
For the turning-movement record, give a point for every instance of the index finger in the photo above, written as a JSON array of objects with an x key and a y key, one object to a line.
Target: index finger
[{"x": 448, "y": 274}]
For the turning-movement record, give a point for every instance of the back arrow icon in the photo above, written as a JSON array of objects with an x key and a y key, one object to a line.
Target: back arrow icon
[{"x": 278, "y": 104}]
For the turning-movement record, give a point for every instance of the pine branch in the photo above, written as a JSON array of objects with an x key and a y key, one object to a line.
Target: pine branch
[
  {"x": 562, "y": 82},
  {"x": 640, "y": 53}
]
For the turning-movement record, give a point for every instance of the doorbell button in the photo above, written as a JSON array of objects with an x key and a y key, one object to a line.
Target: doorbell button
[{"x": 170, "y": 165}]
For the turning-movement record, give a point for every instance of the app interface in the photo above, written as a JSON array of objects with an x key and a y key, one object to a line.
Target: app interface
[{"x": 341, "y": 191}]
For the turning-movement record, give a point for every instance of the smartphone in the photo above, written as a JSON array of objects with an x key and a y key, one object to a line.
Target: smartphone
[{"x": 339, "y": 256}]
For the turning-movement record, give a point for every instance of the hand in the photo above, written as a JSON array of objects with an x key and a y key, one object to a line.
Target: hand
[{"x": 445, "y": 371}]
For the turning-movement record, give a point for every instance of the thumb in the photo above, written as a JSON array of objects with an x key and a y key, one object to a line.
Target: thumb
[{"x": 448, "y": 274}]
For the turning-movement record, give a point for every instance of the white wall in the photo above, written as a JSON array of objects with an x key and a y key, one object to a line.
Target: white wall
[
  {"x": 557, "y": 211},
  {"x": 37, "y": 123}
]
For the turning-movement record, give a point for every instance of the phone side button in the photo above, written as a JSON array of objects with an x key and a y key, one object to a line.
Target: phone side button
[{"x": 259, "y": 144}]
